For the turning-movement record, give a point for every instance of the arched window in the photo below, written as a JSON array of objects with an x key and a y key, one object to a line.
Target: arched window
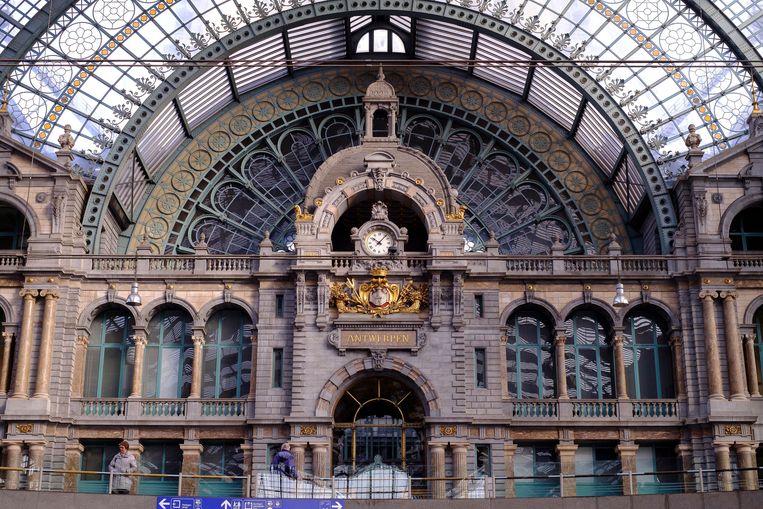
[
  {"x": 338, "y": 134},
  {"x": 169, "y": 355},
  {"x": 381, "y": 123},
  {"x": 647, "y": 357},
  {"x": 458, "y": 155},
  {"x": 380, "y": 41},
  {"x": 227, "y": 366},
  {"x": 301, "y": 154},
  {"x": 529, "y": 356},
  {"x": 14, "y": 229},
  {"x": 110, "y": 356},
  {"x": 588, "y": 357},
  {"x": 746, "y": 232},
  {"x": 422, "y": 134},
  {"x": 759, "y": 347}
]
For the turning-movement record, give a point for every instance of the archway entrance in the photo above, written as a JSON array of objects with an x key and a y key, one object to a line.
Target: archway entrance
[{"x": 379, "y": 419}]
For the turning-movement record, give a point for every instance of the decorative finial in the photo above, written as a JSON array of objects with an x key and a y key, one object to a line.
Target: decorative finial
[
  {"x": 755, "y": 107},
  {"x": 693, "y": 140},
  {"x": 6, "y": 96},
  {"x": 380, "y": 76}
]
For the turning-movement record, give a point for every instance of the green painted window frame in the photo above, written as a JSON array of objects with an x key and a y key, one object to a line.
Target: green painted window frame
[
  {"x": 658, "y": 349},
  {"x": 536, "y": 488},
  {"x": 96, "y": 483},
  {"x": 539, "y": 344},
  {"x": 601, "y": 349},
  {"x": 218, "y": 350},
  {"x": 156, "y": 341},
  {"x": 211, "y": 466},
  {"x": 653, "y": 484},
  {"x": 745, "y": 228},
  {"x": 97, "y": 342},
  {"x": 160, "y": 485}
]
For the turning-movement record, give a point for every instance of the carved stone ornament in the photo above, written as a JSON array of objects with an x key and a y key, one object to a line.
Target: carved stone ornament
[
  {"x": 379, "y": 212},
  {"x": 693, "y": 140},
  {"x": 448, "y": 430},
  {"x": 378, "y": 357},
  {"x": 378, "y": 297},
  {"x": 700, "y": 202},
  {"x": 732, "y": 429},
  {"x": 379, "y": 174},
  {"x": 24, "y": 428},
  {"x": 334, "y": 340},
  {"x": 308, "y": 430}
]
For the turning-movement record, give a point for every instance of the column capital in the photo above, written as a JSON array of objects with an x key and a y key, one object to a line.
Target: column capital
[
  {"x": 437, "y": 445},
  {"x": 618, "y": 339},
  {"x": 747, "y": 337},
  {"x": 7, "y": 336},
  {"x": 459, "y": 445},
  {"x": 139, "y": 340},
  {"x": 728, "y": 295},
  {"x": 708, "y": 294},
  {"x": 566, "y": 449},
  {"x": 74, "y": 447},
  {"x": 626, "y": 449},
  {"x": 560, "y": 340},
  {"x": 252, "y": 339},
  {"x": 721, "y": 446},
  {"x": 743, "y": 447},
  {"x": 12, "y": 443},
  {"x": 684, "y": 449},
  {"x": 198, "y": 340},
  {"x": 82, "y": 340},
  {"x": 191, "y": 448},
  {"x": 50, "y": 293},
  {"x": 676, "y": 340},
  {"x": 29, "y": 293}
]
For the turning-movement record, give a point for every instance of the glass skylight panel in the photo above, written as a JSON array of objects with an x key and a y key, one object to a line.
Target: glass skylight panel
[
  {"x": 161, "y": 139},
  {"x": 320, "y": 41},
  {"x": 357, "y": 22},
  {"x": 207, "y": 95},
  {"x": 510, "y": 75},
  {"x": 259, "y": 63},
  {"x": 436, "y": 40},
  {"x": 555, "y": 96},
  {"x": 598, "y": 139},
  {"x": 401, "y": 22},
  {"x": 629, "y": 185},
  {"x": 127, "y": 186}
]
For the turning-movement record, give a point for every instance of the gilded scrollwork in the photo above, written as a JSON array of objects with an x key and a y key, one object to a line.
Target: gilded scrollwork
[{"x": 378, "y": 297}]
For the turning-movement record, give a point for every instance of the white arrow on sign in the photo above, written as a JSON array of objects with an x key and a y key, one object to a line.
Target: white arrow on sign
[
  {"x": 336, "y": 505},
  {"x": 225, "y": 504},
  {"x": 163, "y": 503}
]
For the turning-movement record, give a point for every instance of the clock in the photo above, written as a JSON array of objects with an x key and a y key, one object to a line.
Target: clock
[{"x": 378, "y": 241}]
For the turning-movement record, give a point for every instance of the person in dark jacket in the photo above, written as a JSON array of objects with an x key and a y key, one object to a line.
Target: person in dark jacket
[{"x": 283, "y": 462}]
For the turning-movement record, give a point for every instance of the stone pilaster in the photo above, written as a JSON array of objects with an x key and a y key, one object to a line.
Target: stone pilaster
[
  {"x": 712, "y": 355},
  {"x": 80, "y": 356},
  {"x": 5, "y": 362},
  {"x": 320, "y": 461},
  {"x": 72, "y": 461},
  {"x": 437, "y": 469},
  {"x": 459, "y": 469},
  {"x": 750, "y": 365},
  {"x": 42, "y": 387},
  {"x": 748, "y": 474},
  {"x": 567, "y": 467},
  {"x": 509, "y": 450},
  {"x": 191, "y": 467},
  {"x": 24, "y": 353},
  {"x": 561, "y": 374},
  {"x": 734, "y": 357},
  {"x": 198, "y": 357},
  {"x": 36, "y": 462},
  {"x": 298, "y": 451},
  {"x": 686, "y": 457},
  {"x": 12, "y": 460},
  {"x": 136, "y": 449},
  {"x": 137, "y": 369},
  {"x": 253, "y": 372},
  {"x": 621, "y": 382},
  {"x": 676, "y": 346},
  {"x": 723, "y": 466},
  {"x": 627, "y": 453}
]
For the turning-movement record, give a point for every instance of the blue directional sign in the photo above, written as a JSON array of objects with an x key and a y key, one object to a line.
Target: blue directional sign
[{"x": 246, "y": 503}]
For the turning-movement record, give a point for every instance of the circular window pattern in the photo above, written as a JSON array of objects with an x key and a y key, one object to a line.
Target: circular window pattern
[
  {"x": 240, "y": 125},
  {"x": 340, "y": 86},
  {"x": 731, "y": 111},
  {"x": 519, "y": 125},
  {"x": 80, "y": 40},
  {"x": 446, "y": 92},
  {"x": 219, "y": 141},
  {"x": 576, "y": 182},
  {"x": 420, "y": 86},
  {"x": 680, "y": 41},
  {"x": 496, "y": 112},
  {"x": 590, "y": 204},
  {"x": 200, "y": 160},
  {"x": 183, "y": 181},
  {"x": 540, "y": 142},
  {"x": 263, "y": 111},
  {"x": 113, "y": 13},
  {"x": 168, "y": 203},
  {"x": 29, "y": 106},
  {"x": 288, "y": 100},
  {"x": 156, "y": 228},
  {"x": 559, "y": 160},
  {"x": 601, "y": 228},
  {"x": 648, "y": 14},
  {"x": 313, "y": 91},
  {"x": 471, "y": 100},
  {"x": 50, "y": 79}
]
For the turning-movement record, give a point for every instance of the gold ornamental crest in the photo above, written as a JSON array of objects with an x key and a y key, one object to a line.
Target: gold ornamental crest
[{"x": 378, "y": 297}]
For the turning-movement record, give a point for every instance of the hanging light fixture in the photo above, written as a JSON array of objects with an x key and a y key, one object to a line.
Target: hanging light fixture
[
  {"x": 620, "y": 300},
  {"x": 134, "y": 298}
]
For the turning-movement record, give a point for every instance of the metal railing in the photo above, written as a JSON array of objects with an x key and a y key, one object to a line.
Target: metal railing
[{"x": 387, "y": 485}]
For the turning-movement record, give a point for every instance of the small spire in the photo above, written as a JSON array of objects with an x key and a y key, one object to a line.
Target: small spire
[
  {"x": 6, "y": 96},
  {"x": 380, "y": 76},
  {"x": 755, "y": 107}
]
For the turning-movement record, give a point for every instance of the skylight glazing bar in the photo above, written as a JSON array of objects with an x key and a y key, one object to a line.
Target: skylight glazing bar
[
  {"x": 598, "y": 139},
  {"x": 206, "y": 96},
  {"x": 512, "y": 77}
]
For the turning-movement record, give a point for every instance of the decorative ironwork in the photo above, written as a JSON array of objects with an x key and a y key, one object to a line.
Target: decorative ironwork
[{"x": 379, "y": 297}]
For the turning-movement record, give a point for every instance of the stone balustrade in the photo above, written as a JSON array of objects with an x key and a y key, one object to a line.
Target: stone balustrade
[
  {"x": 106, "y": 409},
  {"x": 605, "y": 410}
]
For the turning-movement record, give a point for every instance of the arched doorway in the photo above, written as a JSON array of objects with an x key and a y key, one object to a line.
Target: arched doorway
[{"x": 379, "y": 419}]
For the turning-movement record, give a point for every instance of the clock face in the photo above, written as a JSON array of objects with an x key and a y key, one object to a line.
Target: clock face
[{"x": 378, "y": 242}]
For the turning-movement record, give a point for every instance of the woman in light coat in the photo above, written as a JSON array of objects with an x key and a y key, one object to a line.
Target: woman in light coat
[{"x": 122, "y": 463}]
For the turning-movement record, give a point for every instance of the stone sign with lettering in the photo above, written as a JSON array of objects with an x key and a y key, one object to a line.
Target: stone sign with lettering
[{"x": 377, "y": 339}]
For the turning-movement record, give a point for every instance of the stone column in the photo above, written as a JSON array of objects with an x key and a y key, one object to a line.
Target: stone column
[
  {"x": 561, "y": 372},
  {"x": 723, "y": 462},
  {"x": 12, "y": 460},
  {"x": 567, "y": 466},
  {"x": 321, "y": 461},
  {"x": 750, "y": 365},
  {"x": 72, "y": 461},
  {"x": 5, "y": 362},
  {"x": 36, "y": 462},
  {"x": 46, "y": 344},
  {"x": 437, "y": 469},
  {"x": 622, "y": 383},
  {"x": 191, "y": 466},
  {"x": 80, "y": 356},
  {"x": 627, "y": 453},
  {"x": 198, "y": 357},
  {"x": 137, "y": 368},
  {"x": 460, "y": 471},
  {"x": 253, "y": 372},
  {"x": 676, "y": 347},
  {"x": 686, "y": 456},
  {"x": 509, "y": 451},
  {"x": 298, "y": 451},
  {"x": 247, "y": 468},
  {"x": 713, "y": 358},
  {"x": 737, "y": 381},
  {"x": 24, "y": 353},
  {"x": 748, "y": 475}
]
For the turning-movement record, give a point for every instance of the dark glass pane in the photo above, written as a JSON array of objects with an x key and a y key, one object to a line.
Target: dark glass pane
[
  {"x": 338, "y": 134},
  {"x": 271, "y": 179},
  {"x": 301, "y": 155},
  {"x": 529, "y": 372},
  {"x": 209, "y": 373},
  {"x": 458, "y": 155},
  {"x": 212, "y": 458},
  {"x": 549, "y": 373},
  {"x": 490, "y": 179},
  {"x": 112, "y": 366},
  {"x": 421, "y": 134},
  {"x": 150, "y": 368},
  {"x": 511, "y": 368},
  {"x": 117, "y": 327},
  {"x": 606, "y": 372},
  {"x": 667, "y": 382},
  {"x": 589, "y": 371},
  {"x": 524, "y": 461},
  {"x": 92, "y": 368}
]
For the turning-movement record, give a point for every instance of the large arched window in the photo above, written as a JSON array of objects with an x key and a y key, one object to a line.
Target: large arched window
[
  {"x": 647, "y": 357},
  {"x": 110, "y": 355},
  {"x": 746, "y": 232},
  {"x": 14, "y": 229},
  {"x": 422, "y": 134},
  {"x": 227, "y": 366},
  {"x": 529, "y": 356},
  {"x": 458, "y": 155},
  {"x": 588, "y": 356},
  {"x": 169, "y": 355}
]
